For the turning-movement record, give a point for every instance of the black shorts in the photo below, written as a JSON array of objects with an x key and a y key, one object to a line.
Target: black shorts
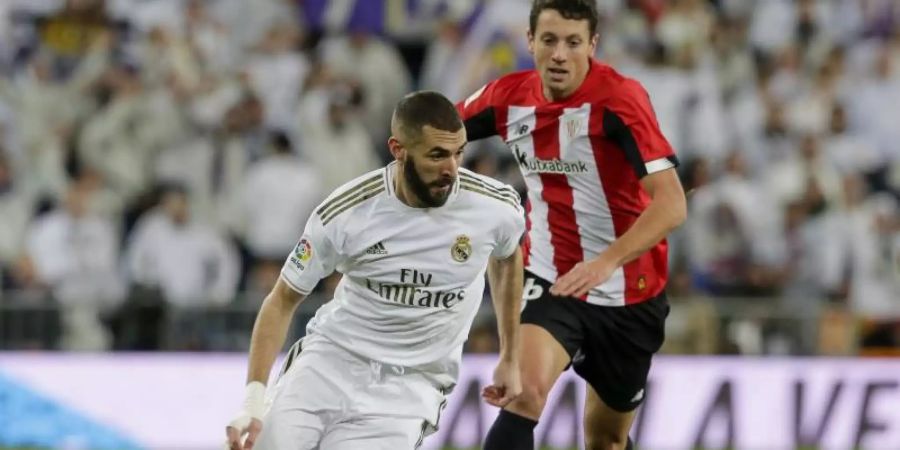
[{"x": 610, "y": 346}]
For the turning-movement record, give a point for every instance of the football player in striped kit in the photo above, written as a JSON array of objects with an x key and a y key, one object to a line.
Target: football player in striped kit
[{"x": 602, "y": 196}]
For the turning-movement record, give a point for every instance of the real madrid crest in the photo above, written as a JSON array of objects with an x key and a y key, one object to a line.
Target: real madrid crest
[{"x": 461, "y": 249}]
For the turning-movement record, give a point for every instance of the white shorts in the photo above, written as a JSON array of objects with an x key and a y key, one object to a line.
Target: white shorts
[{"x": 330, "y": 399}]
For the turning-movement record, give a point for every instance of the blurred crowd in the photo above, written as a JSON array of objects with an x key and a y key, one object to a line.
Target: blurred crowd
[{"x": 160, "y": 155}]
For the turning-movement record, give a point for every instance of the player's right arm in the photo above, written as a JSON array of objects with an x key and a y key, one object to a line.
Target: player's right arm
[
  {"x": 270, "y": 330},
  {"x": 269, "y": 333},
  {"x": 313, "y": 258}
]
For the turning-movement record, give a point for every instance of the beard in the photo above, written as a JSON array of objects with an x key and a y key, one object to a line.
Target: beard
[{"x": 421, "y": 189}]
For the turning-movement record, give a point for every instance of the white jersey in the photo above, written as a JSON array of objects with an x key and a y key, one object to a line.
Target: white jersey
[{"x": 413, "y": 277}]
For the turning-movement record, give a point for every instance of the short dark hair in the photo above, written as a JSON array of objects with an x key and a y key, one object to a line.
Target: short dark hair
[
  {"x": 421, "y": 108},
  {"x": 569, "y": 9},
  {"x": 280, "y": 142}
]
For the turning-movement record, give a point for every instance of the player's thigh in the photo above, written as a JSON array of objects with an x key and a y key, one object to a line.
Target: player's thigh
[
  {"x": 551, "y": 334},
  {"x": 304, "y": 398},
  {"x": 542, "y": 358},
  {"x": 604, "y": 427},
  {"x": 375, "y": 433},
  {"x": 290, "y": 430},
  {"x": 619, "y": 348}
]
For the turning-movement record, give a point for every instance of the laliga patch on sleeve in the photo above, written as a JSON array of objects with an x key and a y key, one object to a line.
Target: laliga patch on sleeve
[{"x": 303, "y": 252}]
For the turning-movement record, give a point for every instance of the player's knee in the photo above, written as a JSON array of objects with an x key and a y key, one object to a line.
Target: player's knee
[
  {"x": 604, "y": 439},
  {"x": 531, "y": 401}
]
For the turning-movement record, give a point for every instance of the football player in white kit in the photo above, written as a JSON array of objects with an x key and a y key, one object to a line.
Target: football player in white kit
[{"x": 413, "y": 241}]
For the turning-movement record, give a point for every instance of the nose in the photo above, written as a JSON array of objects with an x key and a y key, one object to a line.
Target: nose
[
  {"x": 450, "y": 167},
  {"x": 559, "y": 52}
]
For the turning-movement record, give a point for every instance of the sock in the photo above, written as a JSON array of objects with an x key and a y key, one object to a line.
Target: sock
[
  {"x": 630, "y": 444},
  {"x": 510, "y": 432}
]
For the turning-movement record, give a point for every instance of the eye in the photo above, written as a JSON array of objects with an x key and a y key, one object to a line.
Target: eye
[
  {"x": 574, "y": 44},
  {"x": 548, "y": 40}
]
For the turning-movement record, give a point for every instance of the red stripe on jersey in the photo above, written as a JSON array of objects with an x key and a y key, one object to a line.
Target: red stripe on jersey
[
  {"x": 557, "y": 193},
  {"x": 643, "y": 279}
]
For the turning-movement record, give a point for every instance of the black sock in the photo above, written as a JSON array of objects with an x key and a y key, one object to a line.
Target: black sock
[
  {"x": 630, "y": 444},
  {"x": 510, "y": 432}
]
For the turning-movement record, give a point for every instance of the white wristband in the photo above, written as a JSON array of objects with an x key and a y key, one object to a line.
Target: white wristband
[{"x": 255, "y": 399}]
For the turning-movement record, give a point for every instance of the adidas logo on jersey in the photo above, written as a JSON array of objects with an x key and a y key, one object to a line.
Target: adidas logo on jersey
[{"x": 377, "y": 249}]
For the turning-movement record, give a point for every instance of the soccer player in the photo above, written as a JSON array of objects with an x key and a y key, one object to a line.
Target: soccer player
[
  {"x": 602, "y": 196},
  {"x": 413, "y": 241}
]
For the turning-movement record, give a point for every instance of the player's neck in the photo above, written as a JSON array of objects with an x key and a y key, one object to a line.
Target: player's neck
[
  {"x": 404, "y": 193},
  {"x": 553, "y": 95}
]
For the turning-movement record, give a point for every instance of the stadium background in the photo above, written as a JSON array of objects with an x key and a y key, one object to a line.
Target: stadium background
[{"x": 159, "y": 157}]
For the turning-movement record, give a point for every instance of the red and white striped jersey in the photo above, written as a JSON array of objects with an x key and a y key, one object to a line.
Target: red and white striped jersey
[{"x": 582, "y": 159}]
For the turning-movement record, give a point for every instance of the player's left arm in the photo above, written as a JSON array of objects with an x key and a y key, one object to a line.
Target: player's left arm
[
  {"x": 666, "y": 211},
  {"x": 629, "y": 121},
  {"x": 505, "y": 276}
]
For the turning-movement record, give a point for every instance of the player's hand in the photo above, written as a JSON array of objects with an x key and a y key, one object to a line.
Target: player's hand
[
  {"x": 249, "y": 421},
  {"x": 243, "y": 425},
  {"x": 585, "y": 276},
  {"x": 507, "y": 384}
]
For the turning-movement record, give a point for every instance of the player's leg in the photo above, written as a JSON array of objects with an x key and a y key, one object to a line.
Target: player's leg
[
  {"x": 604, "y": 427},
  {"x": 550, "y": 335},
  {"x": 303, "y": 400},
  {"x": 618, "y": 350},
  {"x": 395, "y": 410},
  {"x": 375, "y": 433},
  {"x": 290, "y": 430},
  {"x": 542, "y": 359}
]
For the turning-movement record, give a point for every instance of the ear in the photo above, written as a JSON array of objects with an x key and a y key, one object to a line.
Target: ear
[
  {"x": 530, "y": 39},
  {"x": 594, "y": 40},
  {"x": 397, "y": 150}
]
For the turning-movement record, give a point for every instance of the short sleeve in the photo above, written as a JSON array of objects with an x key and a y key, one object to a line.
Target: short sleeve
[
  {"x": 313, "y": 258},
  {"x": 510, "y": 231},
  {"x": 629, "y": 120},
  {"x": 477, "y": 112}
]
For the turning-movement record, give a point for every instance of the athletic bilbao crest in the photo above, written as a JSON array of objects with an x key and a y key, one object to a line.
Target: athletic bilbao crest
[
  {"x": 461, "y": 249},
  {"x": 573, "y": 127}
]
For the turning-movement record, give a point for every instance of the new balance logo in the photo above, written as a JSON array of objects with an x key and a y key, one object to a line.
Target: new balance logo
[
  {"x": 377, "y": 249},
  {"x": 638, "y": 397}
]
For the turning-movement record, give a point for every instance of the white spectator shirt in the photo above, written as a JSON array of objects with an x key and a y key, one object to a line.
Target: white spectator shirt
[
  {"x": 278, "y": 193},
  {"x": 77, "y": 257},
  {"x": 413, "y": 277},
  {"x": 192, "y": 263}
]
